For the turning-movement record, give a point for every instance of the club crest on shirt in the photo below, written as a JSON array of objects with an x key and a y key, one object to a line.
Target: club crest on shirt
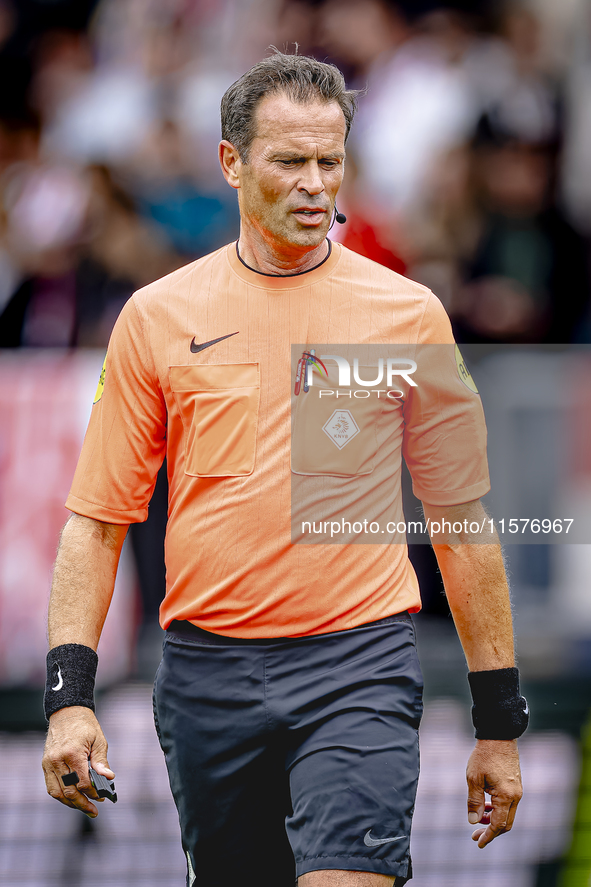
[
  {"x": 464, "y": 372},
  {"x": 341, "y": 428},
  {"x": 101, "y": 383}
]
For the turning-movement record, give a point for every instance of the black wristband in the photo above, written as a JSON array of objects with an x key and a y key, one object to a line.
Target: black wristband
[
  {"x": 71, "y": 671},
  {"x": 499, "y": 711}
]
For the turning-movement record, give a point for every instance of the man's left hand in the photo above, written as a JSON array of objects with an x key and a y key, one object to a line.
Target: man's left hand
[{"x": 493, "y": 768}]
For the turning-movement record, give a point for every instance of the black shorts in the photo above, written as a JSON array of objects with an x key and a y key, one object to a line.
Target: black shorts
[{"x": 291, "y": 755}]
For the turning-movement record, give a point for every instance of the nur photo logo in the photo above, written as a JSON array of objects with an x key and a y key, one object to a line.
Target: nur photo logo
[{"x": 387, "y": 369}]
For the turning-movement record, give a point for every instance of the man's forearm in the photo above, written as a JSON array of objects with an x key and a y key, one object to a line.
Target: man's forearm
[
  {"x": 476, "y": 587},
  {"x": 83, "y": 581}
]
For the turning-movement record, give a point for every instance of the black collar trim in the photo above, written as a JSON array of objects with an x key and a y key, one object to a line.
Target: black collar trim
[{"x": 295, "y": 274}]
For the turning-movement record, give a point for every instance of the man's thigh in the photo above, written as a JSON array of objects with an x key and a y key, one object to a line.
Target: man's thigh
[
  {"x": 228, "y": 783},
  {"x": 354, "y": 758}
]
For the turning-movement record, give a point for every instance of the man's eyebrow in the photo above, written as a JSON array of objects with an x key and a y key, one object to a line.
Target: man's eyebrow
[
  {"x": 287, "y": 155},
  {"x": 296, "y": 155}
]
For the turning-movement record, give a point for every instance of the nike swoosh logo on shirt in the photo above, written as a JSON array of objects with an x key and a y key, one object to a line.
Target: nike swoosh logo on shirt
[
  {"x": 60, "y": 680},
  {"x": 195, "y": 348},
  {"x": 375, "y": 842}
]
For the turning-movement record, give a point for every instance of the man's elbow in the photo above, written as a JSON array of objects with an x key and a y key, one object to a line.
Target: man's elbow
[{"x": 110, "y": 536}]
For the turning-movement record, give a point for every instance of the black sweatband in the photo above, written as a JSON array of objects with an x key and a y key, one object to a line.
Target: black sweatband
[
  {"x": 499, "y": 711},
  {"x": 71, "y": 670}
]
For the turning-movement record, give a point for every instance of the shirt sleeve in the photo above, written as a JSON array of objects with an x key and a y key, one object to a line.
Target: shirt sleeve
[
  {"x": 126, "y": 438},
  {"x": 445, "y": 431}
]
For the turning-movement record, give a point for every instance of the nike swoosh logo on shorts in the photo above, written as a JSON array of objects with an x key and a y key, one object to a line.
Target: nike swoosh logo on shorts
[
  {"x": 375, "y": 842},
  {"x": 60, "y": 680},
  {"x": 195, "y": 348}
]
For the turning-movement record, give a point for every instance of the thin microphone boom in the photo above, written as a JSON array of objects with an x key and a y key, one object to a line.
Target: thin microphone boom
[{"x": 341, "y": 218}]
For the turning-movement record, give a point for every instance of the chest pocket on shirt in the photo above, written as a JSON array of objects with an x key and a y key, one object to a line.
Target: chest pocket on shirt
[
  {"x": 332, "y": 435},
  {"x": 219, "y": 408}
]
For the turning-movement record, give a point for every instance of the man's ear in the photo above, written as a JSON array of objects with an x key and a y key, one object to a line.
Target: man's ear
[{"x": 230, "y": 163}]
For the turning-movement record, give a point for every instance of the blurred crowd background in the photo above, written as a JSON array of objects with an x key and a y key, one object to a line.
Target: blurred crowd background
[{"x": 468, "y": 169}]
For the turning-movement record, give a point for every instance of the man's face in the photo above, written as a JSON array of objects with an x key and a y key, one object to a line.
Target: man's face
[{"x": 295, "y": 166}]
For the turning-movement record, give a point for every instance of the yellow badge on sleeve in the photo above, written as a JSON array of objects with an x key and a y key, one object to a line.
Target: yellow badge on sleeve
[
  {"x": 101, "y": 383},
  {"x": 464, "y": 372}
]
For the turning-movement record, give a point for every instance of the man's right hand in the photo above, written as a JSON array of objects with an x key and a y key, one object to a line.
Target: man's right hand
[{"x": 73, "y": 737}]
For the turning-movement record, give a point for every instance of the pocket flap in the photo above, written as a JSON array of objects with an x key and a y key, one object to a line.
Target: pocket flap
[
  {"x": 218, "y": 406},
  {"x": 226, "y": 375}
]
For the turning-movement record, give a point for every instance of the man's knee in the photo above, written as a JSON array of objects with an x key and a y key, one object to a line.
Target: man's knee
[{"x": 336, "y": 878}]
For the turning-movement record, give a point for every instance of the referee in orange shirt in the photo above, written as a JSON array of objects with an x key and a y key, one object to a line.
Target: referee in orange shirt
[{"x": 289, "y": 695}]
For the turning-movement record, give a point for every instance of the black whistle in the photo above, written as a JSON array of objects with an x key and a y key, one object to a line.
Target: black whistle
[{"x": 102, "y": 786}]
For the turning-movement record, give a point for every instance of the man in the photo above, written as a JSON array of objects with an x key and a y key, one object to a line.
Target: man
[{"x": 289, "y": 695}]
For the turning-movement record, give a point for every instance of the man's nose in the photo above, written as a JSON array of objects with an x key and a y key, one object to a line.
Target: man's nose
[{"x": 311, "y": 180}]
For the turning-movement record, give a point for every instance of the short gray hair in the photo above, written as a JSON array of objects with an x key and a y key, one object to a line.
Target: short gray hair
[{"x": 300, "y": 77}]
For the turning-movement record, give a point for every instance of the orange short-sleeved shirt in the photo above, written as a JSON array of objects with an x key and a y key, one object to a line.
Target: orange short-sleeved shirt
[{"x": 221, "y": 414}]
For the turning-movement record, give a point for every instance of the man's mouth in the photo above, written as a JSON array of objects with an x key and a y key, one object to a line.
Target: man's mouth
[{"x": 310, "y": 215}]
